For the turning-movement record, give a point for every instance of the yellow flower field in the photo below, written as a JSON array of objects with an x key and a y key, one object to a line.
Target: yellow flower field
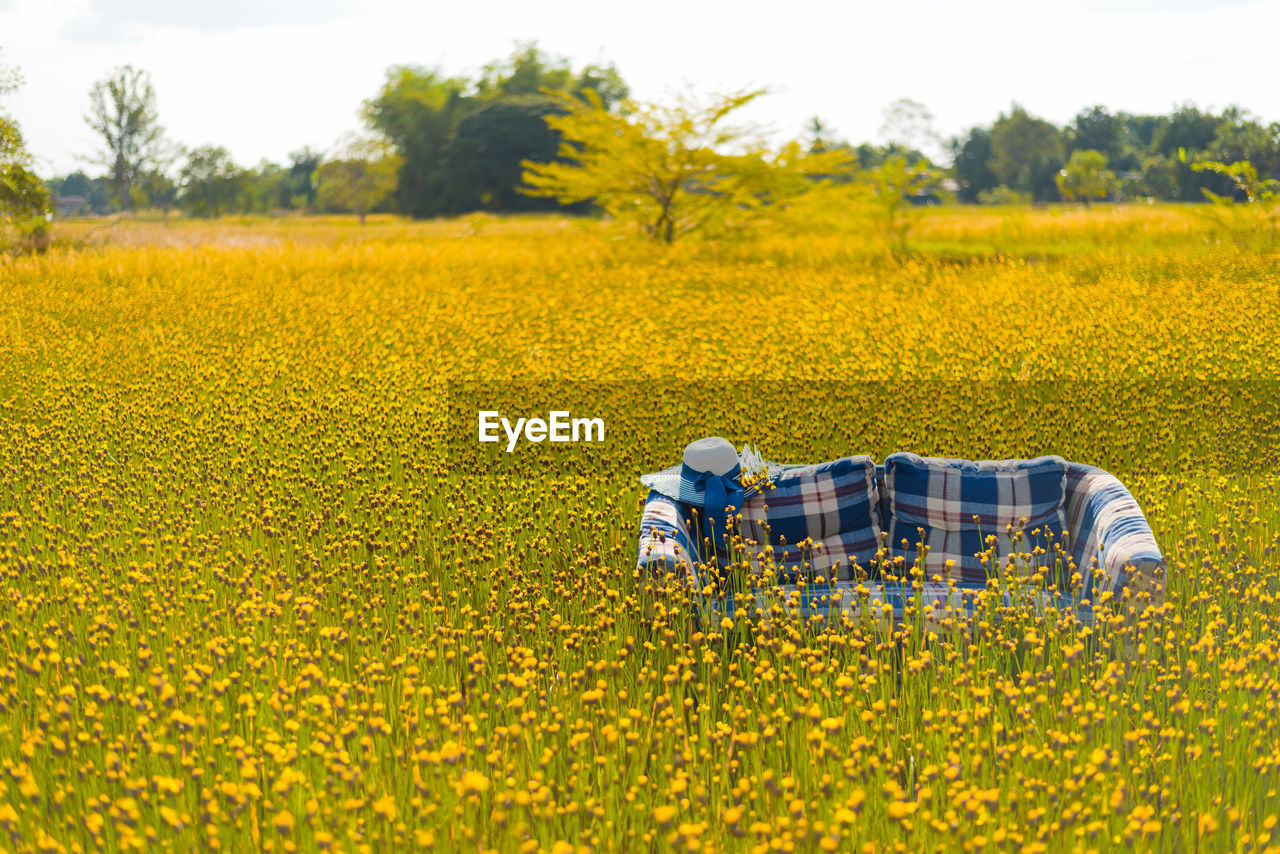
[{"x": 263, "y": 590}]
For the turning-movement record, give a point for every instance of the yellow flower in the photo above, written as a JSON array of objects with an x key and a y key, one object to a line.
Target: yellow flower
[
  {"x": 664, "y": 814},
  {"x": 386, "y": 806},
  {"x": 474, "y": 781}
]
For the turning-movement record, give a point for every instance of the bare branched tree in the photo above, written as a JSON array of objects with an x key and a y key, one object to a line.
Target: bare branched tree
[{"x": 122, "y": 110}]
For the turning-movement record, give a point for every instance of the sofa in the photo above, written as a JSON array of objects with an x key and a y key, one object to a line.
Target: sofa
[{"x": 852, "y": 536}]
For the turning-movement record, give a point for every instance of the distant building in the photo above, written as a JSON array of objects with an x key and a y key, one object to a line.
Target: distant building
[
  {"x": 71, "y": 205},
  {"x": 932, "y": 196}
]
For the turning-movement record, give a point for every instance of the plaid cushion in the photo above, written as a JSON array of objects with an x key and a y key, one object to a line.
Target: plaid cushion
[
  {"x": 835, "y": 504},
  {"x": 943, "y": 497}
]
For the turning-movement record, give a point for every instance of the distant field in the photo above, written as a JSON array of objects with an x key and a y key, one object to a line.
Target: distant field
[{"x": 262, "y": 590}]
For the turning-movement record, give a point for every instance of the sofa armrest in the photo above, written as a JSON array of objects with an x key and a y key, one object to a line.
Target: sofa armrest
[
  {"x": 1113, "y": 546},
  {"x": 665, "y": 541}
]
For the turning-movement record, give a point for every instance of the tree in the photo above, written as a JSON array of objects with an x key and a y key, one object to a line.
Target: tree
[
  {"x": 303, "y": 164},
  {"x": 156, "y": 187},
  {"x": 972, "y": 164},
  {"x": 483, "y": 162},
  {"x": 605, "y": 81},
  {"x": 818, "y": 135},
  {"x": 1026, "y": 154},
  {"x": 360, "y": 178},
  {"x": 122, "y": 110},
  {"x": 674, "y": 170},
  {"x": 1238, "y": 138},
  {"x": 1187, "y": 129},
  {"x": 908, "y": 126},
  {"x": 24, "y": 198},
  {"x": 528, "y": 71},
  {"x": 894, "y": 183},
  {"x": 1244, "y": 175},
  {"x": 159, "y": 190},
  {"x": 1161, "y": 176},
  {"x": 96, "y": 191},
  {"x": 1086, "y": 177},
  {"x": 419, "y": 110},
  {"x": 1261, "y": 197},
  {"x": 1097, "y": 130},
  {"x": 212, "y": 183}
]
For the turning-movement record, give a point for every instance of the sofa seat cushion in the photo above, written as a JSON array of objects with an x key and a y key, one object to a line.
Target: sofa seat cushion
[
  {"x": 835, "y": 505},
  {"x": 959, "y": 504}
]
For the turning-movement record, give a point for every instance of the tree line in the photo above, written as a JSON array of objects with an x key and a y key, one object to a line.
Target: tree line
[
  {"x": 434, "y": 144},
  {"x": 1149, "y": 156}
]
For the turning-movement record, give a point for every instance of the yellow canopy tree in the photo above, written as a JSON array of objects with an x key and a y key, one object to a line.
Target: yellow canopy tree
[{"x": 676, "y": 169}]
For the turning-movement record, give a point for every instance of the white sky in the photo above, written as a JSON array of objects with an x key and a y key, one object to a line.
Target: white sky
[{"x": 264, "y": 77}]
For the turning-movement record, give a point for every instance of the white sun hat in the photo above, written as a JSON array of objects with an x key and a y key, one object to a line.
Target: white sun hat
[{"x": 704, "y": 459}]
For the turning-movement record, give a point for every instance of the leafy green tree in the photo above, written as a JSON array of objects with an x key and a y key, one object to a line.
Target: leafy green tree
[
  {"x": 605, "y": 81},
  {"x": 1027, "y": 154},
  {"x": 1182, "y": 138},
  {"x": 361, "y": 177},
  {"x": 971, "y": 158},
  {"x": 483, "y": 162},
  {"x": 156, "y": 188},
  {"x": 97, "y": 191},
  {"x": 529, "y": 71},
  {"x": 1162, "y": 176},
  {"x": 419, "y": 110},
  {"x": 159, "y": 190},
  {"x": 122, "y": 110},
  {"x": 1086, "y": 177},
  {"x": 211, "y": 182},
  {"x": 1187, "y": 128},
  {"x": 303, "y": 164},
  {"x": 1096, "y": 129},
  {"x": 1238, "y": 137},
  {"x": 1140, "y": 130},
  {"x": 674, "y": 170},
  {"x": 268, "y": 188},
  {"x": 24, "y": 198}
]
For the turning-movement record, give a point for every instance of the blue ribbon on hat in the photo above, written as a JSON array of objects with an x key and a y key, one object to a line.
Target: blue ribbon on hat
[{"x": 719, "y": 492}]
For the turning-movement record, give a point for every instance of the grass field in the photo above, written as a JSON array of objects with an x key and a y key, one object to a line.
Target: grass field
[{"x": 262, "y": 590}]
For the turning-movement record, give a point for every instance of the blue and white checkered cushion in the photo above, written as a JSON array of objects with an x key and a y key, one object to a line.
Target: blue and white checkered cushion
[
  {"x": 834, "y": 504},
  {"x": 943, "y": 497}
]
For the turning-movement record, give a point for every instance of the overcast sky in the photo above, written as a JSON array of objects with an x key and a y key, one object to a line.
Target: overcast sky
[{"x": 264, "y": 77}]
